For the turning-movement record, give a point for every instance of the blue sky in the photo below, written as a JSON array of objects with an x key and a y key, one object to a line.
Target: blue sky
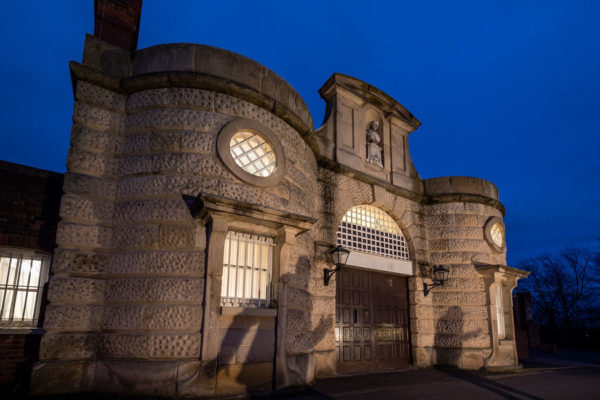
[{"x": 507, "y": 91}]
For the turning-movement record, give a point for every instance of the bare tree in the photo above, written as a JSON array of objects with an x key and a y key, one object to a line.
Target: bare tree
[{"x": 565, "y": 289}]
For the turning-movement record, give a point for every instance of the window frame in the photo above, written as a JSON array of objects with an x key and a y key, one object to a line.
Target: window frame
[
  {"x": 224, "y": 151},
  {"x": 487, "y": 230},
  {"x": 21, "y": 254},
  {"x": 257, "y": 240}
]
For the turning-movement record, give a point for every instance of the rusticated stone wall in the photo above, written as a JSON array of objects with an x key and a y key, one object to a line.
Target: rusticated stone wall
[
  {"x": 452, "y": 322},
  {"x": 337, "y": 194},
  {"x": 74, "y": 317}
]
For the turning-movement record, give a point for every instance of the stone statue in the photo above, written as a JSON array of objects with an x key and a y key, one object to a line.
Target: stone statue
[{"x": 373, "y": 147}]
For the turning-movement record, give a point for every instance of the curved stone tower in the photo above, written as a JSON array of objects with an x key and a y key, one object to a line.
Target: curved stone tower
[{"x": 199, "y": 209}]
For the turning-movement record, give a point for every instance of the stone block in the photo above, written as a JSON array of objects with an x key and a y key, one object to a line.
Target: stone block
[
  {"x": 89, "y": 185},
  {"x": 89, "y": 163},
  {"x": 83, "y": 236},
  {"x": 263, "y": 351},
  {"x": 135, "y": 144},
  {"x": 79, "y": 262},
  {"x": 96, "y": 141},
  {"x": 458, "y": 298},
  {"x": 474, "y": 284},
  {"x": 178, "y": 317},
  {"x": 52, "y": 377},
  {"x": 73, "y": 318},
  {"x": 71, "y": 290},
  {"x": 75, "y": 208},
  {"x": 263, "y": 338},
  {"x": 159, "y": 290},
  {"x": 90, "y": 93},
  {"x": 196, "y": 378},
  {"x": 136, "y": 237},
  {"x": 137, "y": 377},
  {"x": 423, "y": 357},
  {"x": 471, "y": 359},
  {"x": 163, "y": 346},
  {"x": 463, "y": 312},
  {"x": 123, "y": 317},
  {"x": 246, "y": 322},
  {"x": 199, "y": 142},
  {"x": 152, "y": 210},
  {"x": 98, "y": 118},
  {"x": 236, "y": 378},
  {"x": 176, "y": 236},
  {"x": 176, "y": 119},
  {"x": 164, "y": 141},
  {"x": 68, "y": 346},
  {"x": 325, "y": 364},
  {"x": 455, "y": 232},
  {"x": 299, "y": 299},
  {"x": 184, "y": 263}
]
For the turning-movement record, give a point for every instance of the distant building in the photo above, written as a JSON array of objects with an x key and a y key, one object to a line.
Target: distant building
[
  {"x": 29, "y": 208},
  {"x": 199, "y": 209}
]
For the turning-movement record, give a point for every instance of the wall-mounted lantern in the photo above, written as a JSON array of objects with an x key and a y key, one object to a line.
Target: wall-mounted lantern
[
  {"x": 440, "y": 275},
  {"x": 339, "y": 256}
]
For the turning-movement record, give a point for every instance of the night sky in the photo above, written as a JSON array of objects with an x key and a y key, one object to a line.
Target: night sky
[{"x": 507, "y": 91}]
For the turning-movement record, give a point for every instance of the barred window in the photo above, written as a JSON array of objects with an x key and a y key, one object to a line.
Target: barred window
[
  {"x": 247, "y": 265},
  {"x": 368, "y": 229},
  {"x": 500, "y": 312},
  {"x": 22, "y": 278},
  {"x": 252, "y": 153}
]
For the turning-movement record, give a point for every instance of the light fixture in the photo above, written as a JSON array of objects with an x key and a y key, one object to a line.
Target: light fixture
[
  {"x": 339, "y": 256},
  {"x": 440, "y": 275}
]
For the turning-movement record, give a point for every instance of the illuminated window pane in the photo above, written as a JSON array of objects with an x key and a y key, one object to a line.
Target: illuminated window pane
[
  {"x": 247, "y": 265},
  {"x": 22, "y": 277},
  {"x": 497, "y": 233},
  {"x": 370, "y": 230},
  {"x": 252, "y": 153}
]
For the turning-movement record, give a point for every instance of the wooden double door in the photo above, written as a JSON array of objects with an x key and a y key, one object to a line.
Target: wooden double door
[{"x": 371, "y": 330}]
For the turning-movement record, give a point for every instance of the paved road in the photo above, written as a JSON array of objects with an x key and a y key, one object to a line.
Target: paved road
[{"x": 564, "y": 382}]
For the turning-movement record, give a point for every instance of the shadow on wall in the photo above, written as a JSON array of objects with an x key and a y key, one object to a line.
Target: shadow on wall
[
  {"x": 247, "y": 356},
  {"x": 449, "y": 338}
]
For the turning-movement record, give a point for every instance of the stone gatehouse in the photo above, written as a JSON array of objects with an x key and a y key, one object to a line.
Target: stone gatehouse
[{"x": 199, "y": 209}]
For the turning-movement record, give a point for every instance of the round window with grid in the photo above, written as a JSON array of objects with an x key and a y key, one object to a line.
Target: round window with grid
[
  {"x": 252, "y": 153},
  {"x": 497, "y": 233},
  {"x": 370, "y": 230},
  {"x": 494, "y": 233}
]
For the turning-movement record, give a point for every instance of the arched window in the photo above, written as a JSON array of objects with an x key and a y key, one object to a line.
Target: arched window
[{"x": 368, "y": 229}]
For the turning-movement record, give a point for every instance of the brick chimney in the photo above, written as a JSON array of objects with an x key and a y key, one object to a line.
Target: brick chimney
[{"x": 118, "y": 22}]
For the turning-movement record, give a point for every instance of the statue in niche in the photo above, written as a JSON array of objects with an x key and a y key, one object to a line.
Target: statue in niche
[{"x": 374, "y": 155}]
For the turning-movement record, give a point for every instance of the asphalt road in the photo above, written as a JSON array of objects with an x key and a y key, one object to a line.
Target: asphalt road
[{"x": 531, "y": 384}]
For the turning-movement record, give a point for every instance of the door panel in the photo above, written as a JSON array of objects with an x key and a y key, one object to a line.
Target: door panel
[{"x": 371, "y": 321}]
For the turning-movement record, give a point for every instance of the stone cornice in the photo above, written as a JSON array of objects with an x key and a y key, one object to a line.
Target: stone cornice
[{"x": 206, "y": 204}]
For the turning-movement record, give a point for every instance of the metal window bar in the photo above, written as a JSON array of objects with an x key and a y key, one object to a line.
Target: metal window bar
[
  {"x": 256, "y": 164},
  {"x": 22, "y": 279},
  {"x": 370, "y": 230},
  {"x": 247, "y": 268},
  {"x": 500, "y": 312}
]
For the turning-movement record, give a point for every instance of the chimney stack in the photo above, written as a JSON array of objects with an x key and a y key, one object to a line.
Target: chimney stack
[{"x": 118, "y": 22}]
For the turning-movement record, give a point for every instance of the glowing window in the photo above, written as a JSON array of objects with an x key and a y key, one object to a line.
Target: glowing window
[
  {"x": 22, "y": 278},
  {"x": 369, "y": 230},
  {"x": 252, "y": 153},
  {"x": 247, "y": 265},
  {"x": 497, "y": 233}
]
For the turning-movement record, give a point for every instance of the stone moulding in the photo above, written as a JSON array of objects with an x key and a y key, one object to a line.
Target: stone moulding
[
  {"x": 206, "y": 204},
  {"x": 223, "y": 149}
]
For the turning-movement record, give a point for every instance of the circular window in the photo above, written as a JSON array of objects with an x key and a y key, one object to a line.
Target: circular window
[
  {"x": 494, "y": 234},
  {"x": 252, "y": 152},
  {"x": 497, "y": 234}
]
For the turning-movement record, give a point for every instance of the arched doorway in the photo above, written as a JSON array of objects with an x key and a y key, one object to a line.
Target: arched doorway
[{"x": 371, "y": 294}]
